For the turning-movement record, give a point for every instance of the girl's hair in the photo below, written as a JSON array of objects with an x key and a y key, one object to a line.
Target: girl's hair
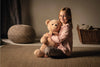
[{"x": 68, "y": 14}]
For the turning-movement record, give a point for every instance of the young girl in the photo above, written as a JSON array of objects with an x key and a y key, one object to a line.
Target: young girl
[{"x": 64, "y": 39}]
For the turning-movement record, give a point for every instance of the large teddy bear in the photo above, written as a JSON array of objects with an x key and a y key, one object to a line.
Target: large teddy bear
[{"x": 53, "y": 27}]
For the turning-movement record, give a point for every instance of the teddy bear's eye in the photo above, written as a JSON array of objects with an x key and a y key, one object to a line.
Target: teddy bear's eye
[{"x": 52, "y": 24}]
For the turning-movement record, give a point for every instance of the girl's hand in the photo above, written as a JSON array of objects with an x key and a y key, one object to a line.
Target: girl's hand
[{"x": 61, "y": 47}]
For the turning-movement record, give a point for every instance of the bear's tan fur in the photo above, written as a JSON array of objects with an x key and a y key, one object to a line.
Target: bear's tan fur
[{"x": 53, "y": 27}]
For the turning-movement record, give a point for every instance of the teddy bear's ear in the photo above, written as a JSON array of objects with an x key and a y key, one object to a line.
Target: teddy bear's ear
[{"x": 47, "y": 21}]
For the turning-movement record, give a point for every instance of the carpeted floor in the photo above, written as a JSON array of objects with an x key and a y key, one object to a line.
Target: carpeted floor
[{"x": 22, "y": 56}]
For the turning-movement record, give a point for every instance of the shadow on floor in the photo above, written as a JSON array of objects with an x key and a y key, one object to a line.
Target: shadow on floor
[
  {"x": 85, "y": 53},
  {"x": 77, "y": 54}
]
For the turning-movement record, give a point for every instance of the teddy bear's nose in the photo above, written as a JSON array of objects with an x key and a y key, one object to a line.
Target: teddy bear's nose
[{"x": 55, "y": 24}]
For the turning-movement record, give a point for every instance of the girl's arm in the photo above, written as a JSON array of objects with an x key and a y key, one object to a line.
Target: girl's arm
[{"x": 63, "y": 34}]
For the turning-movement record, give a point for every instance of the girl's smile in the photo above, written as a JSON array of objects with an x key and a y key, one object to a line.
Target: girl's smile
[{"x": 63, "y": 17}]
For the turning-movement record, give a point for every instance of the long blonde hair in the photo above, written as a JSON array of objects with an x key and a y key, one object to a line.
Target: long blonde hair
[{"x": 68, "y": 14}]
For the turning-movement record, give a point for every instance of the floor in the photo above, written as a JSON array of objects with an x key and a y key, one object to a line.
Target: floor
[
  {"x": 39, "y": 44},
  {"x": 23, "y": 56}
]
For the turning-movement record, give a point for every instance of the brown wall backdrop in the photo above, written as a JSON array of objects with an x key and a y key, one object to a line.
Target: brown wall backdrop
[{"x": 35, "y": 12}]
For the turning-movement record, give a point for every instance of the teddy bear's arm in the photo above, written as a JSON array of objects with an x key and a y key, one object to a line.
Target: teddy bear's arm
[
  {"x": 44, "y": 38},
  {"x": 55, "y": 33}
]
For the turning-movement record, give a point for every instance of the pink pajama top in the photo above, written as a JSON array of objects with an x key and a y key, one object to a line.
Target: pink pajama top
[{"x": 64, "y": 39}]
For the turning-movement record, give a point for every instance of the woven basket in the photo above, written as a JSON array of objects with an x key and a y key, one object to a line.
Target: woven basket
[
  {"x": 21, "y": 34},
  {"x": 89, "y": 36}
]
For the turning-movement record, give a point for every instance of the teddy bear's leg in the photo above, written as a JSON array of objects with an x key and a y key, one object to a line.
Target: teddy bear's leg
[
  {"x": 42, "y": 48},
  {"x": 38, "y": 53}
]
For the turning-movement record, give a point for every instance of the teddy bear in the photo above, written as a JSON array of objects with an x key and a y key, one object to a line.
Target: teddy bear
[{"x": 53, "y": 27}]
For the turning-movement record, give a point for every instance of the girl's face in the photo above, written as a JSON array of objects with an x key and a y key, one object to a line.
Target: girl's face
[{"x": 63, "y": 17}]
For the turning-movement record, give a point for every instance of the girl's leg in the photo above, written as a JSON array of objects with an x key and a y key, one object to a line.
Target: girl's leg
[{"x": 54, "y": 52}]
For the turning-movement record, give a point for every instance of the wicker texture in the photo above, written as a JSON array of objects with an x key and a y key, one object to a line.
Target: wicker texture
[
  {"x": 21, "y": 34},
  {"x": 89, "y": 36}
]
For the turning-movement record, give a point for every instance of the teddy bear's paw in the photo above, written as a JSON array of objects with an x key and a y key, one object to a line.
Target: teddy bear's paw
[{"x": 38, "y": 53}]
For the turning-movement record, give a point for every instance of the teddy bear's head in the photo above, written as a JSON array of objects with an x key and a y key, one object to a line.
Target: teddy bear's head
[{"x": 53, "y": 25}]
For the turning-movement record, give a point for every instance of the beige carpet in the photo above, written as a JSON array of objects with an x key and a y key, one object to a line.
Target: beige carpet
[{"x": 22, "y": 56}]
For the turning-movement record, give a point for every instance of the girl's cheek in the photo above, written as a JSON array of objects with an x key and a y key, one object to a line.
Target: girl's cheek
[
  {"x": 65, "y": 19},
  {"x": 60, "y": 18}
]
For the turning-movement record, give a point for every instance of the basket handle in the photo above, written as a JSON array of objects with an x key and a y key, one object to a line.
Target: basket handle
[{"x": 79, "y": 33}]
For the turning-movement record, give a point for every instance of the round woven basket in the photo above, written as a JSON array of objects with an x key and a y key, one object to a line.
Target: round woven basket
[{"x": 21, "y": 34}]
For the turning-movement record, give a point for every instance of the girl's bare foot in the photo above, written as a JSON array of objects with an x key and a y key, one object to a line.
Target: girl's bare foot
[{"x": 46, "y": 56}]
